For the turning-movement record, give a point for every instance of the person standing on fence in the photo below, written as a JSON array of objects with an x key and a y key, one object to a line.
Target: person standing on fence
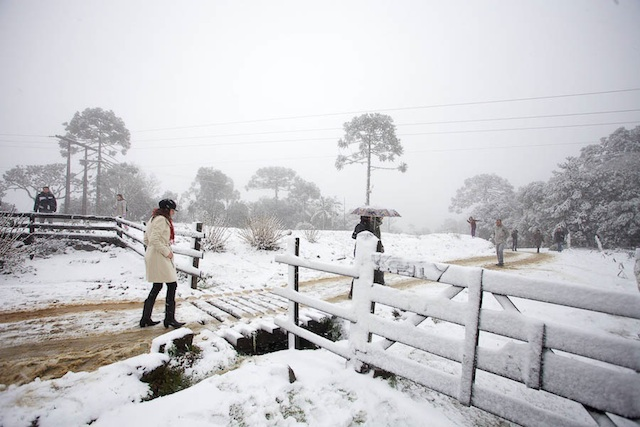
[
  {"x": 514, "y": 240},
  {"x": 160, "y": 265},
  {"x": 537, "y": 239},
  {"x": 45, "y": 202},
  {"x": 473, "y": 222},
  {"x": 500, "y": 236}
]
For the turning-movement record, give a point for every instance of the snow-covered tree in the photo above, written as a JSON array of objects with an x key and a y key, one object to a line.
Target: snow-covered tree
[
  {"x": 104, "y": 135},
  {"x": 528, "y": 212},
  {"x": 210, "y": 194},
  {"x": 137, "y": 188},
  {"x": 599, "y": 192},
  {"x": 302, "y": 194},
  {"x": 374, "y": 136},
  {"x": 31, "y": 179},
  {"x": 326, "y": 210},
  {"x": 274, "y": 178},
  {"x": 486, "y": 197}
]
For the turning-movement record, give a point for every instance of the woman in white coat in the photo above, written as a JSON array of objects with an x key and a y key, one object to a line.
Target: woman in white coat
[{"x": 160, "y": 264}]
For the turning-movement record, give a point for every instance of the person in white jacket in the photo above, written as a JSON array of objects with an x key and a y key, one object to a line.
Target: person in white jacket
[
  {"x": 500, "y": 236},
  {"x": 159, "y": 263},
  {"x": 121, "y": 206}
]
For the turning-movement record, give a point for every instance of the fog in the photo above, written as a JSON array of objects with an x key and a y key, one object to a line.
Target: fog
[{"x": 503, "y": 87}]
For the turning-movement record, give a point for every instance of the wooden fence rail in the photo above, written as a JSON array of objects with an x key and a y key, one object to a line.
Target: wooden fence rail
[
  {"x": 104, "y": 229},
  {"x": 597, "y": 370}
]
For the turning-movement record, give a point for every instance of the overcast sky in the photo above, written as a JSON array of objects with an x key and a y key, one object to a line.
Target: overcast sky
[{"x": 504, "y": 87}]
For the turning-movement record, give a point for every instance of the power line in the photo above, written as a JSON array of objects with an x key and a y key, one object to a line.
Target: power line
[
  {"x": 525, "y": 128},
  {"x": 458, "y": 104},
  {"x": 546, "y": 116},
  {"x": 280, "y": 141},
  {"x": 397, "y": 125},
  {"x": 431, "y": 150},
  {"x": 23, "y": 135}
]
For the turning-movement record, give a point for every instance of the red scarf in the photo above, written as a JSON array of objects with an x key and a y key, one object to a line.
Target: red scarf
[{"x": 165, "y": 213}]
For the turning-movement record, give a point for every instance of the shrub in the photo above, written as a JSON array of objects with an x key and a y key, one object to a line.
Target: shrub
[
  {"x": 171, "y": 377},
  {"x": 263, "y": 232},
  {"x": 217, "y": 235},
  {"x": 11, "y": 245},
  {"x": 309, "y": 231}
]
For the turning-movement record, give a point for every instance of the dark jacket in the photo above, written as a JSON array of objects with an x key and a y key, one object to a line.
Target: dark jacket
[
  {"x": 361, "y": 226},
  {"x": 45, "y": 202},
  {"x": 371, "y": 225},
  {"x": 537, "y": 238}
]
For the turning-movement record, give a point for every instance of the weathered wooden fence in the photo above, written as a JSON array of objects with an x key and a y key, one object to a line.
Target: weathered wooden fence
[
  {"x": 598, "y": 370},
  {"x": 104, "y": 229}
]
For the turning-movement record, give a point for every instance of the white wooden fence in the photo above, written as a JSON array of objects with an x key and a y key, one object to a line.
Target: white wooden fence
[{"x": 598, "y": 370}]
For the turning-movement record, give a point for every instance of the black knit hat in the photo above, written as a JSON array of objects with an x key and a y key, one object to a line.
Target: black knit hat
[{"x": 167, "y": 204}]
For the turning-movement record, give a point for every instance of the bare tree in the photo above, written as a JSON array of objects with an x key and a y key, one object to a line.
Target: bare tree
[{"x": 31, "y": 179}]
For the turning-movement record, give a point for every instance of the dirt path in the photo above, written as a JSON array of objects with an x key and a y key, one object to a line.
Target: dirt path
[
  {"x": 512, "y": 260},
  {"x": 52, "y": 354},
  {"x": 52, "y": 359},
  {"x": 68, "y": 347}
]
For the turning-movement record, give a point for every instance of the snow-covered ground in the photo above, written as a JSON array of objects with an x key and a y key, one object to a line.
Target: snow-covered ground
[{"x": 253, "y": 391}]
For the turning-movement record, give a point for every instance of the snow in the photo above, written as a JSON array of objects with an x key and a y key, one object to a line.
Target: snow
[{"x": 256, "y": 391}]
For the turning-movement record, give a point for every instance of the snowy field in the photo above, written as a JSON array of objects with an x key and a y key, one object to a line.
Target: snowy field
[{"x": 255, "y": 391}]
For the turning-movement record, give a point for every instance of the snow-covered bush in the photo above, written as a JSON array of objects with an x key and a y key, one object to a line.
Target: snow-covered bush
[
  {"x": 310, "y": 232},
  {"x": 216, "y": 235},
  {"x": 11, "y": 246},
  {"x": 263, "y": 232}
]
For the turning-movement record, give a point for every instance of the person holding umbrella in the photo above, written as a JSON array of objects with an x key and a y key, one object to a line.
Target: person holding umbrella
[
  {"x": 371, "y": 224},
  {"x": 371, "y": 220}
]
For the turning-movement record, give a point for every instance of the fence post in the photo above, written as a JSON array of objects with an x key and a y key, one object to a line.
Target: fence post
[
  {"x": 636, "y": 268},
  {"x": 294, "y": 248},
  {"x": 118, "y": 228},
  {"x": 32, "y": 220},
  {"x": 359, "y": 336},
  {"x": 470, "y": 346},
  {"x": 196, "y": 260}
]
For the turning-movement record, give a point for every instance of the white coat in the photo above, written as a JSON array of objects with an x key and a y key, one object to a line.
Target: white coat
[{"x": 160, "y": 269}]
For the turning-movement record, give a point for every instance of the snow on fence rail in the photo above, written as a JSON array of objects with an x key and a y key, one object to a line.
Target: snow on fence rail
[
  {"x": 598, "y": 370},
  {"x": 107, "y": 229}
]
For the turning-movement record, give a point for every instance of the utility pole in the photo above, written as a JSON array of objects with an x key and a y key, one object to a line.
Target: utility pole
[
  {"x": 84, "y": 183},
  {"x": 67, "y": 196},
  {"x": 97, "y": 212}
]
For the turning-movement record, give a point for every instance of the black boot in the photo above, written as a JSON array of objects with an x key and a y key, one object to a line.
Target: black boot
[
  {"x": 170, "y": 307},
  {"x": 148, "y": 306}
]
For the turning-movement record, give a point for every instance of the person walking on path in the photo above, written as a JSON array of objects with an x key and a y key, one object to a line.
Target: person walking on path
[
  {"x": 500, "y": 236},
  {"x": 514, "y": 240},
  {"x": 537, "y": 239},
  {"x": 558, "y": 238},
  {"x": 45, "y": 202},
  {"x": 473, "y": 222},
  {"x": 159, "y": 263}
]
